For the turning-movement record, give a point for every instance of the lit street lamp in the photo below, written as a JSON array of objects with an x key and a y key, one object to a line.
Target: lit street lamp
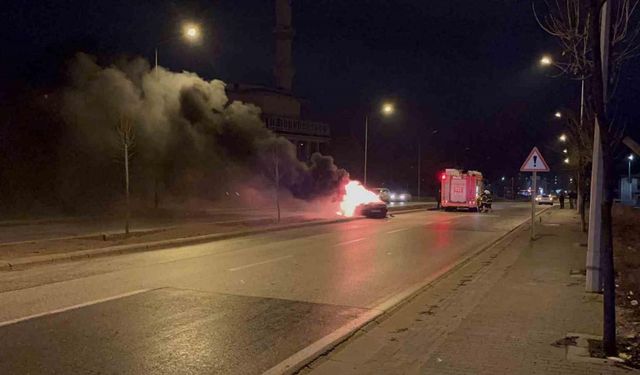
[
  {"x": 558, "y": 114},
  {"x": 563, "y": 138},
  {"x": 191, "y": 32},
  {"x": 566, "y": 161},
  {"x": 387, "y": 110},
  {"x": 546, "y": 60},
  {"x": 565, "y": 151}
]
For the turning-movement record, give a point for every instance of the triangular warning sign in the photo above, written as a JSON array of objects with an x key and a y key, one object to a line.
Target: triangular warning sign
[{"x": 535, "y": 162}]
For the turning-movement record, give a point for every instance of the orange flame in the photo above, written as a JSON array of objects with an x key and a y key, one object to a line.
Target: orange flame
[{"x": 354, "y": 196}]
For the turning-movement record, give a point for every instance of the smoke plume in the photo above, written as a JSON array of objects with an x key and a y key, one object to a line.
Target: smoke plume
[{"x": 190, "y": 140}]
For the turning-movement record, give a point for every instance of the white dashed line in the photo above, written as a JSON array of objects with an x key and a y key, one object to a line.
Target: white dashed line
[
  {"x": 398, "y": 230},
  {"x": 259, "y": 263},
  {"x": 73, "y": 307},
  {"x": 349, "y": 242}
]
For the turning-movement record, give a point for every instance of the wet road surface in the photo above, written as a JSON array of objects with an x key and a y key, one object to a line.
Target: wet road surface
[{"x": 235, "y": 306}]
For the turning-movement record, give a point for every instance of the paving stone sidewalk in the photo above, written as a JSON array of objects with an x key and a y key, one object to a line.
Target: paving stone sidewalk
[{"x": 500, "y": 313}]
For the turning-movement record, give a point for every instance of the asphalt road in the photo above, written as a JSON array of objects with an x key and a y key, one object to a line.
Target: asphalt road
[{"x": 237, "y": 306}]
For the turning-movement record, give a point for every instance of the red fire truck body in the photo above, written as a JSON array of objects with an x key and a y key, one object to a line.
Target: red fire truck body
[{"x": 460, "y": 189}]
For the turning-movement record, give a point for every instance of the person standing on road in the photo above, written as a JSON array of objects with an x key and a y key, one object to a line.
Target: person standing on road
[{"x": 561, "y": 197}]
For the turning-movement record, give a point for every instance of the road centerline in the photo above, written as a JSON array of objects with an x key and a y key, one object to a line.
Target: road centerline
[
  {"x": 350, "y": 242},
  {"x": 398, "y": 230},
  {"x": 259, "y": 263}
]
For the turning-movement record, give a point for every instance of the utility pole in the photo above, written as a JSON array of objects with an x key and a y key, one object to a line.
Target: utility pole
[
  {"x": 366, "y": 145},
  {"x": 534, "y": 189},
  {"x": 578, "y": 182},
  {"x": 593, "y": 281},
  {"x": 420, "y": 157},
  {"x": 276, "y": 162},
  {"x": 156, "y": 197}
]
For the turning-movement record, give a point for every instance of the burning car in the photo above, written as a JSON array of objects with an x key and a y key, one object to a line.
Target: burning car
[
  {"x": 356, "y": 199},
  {"x": 373, "y": 209}
]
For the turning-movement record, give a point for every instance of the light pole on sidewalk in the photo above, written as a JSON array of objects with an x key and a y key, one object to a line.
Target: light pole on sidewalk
[
  {"x": 387, "y": 110},
  {"x": 547, "y": 60},
  {"x": 190, "y": 32},
  {"x": 630, "y": 158}
]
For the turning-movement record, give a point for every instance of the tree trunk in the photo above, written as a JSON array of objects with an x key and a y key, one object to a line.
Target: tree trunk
[
  {"x": 582, "y": 198},
  {"x": 599, "y": 92},
  {"x": 156, "y": 198},
  {"x": 126, "y": 183},
  {"x": 606, "y": 261}
]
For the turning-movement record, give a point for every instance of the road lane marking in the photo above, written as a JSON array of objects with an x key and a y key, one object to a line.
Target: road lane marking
[
  {"x": 398, "y": 230},
  {"x": 73, "y": 307},
  {"x": 349, "y": 242},
  {"x": 259, "y": 263}
]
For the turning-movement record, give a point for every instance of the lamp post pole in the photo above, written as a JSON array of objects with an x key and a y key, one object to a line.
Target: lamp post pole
[
  {"x": 366, "y": 145},
  {"x": 419, "y": 157}
]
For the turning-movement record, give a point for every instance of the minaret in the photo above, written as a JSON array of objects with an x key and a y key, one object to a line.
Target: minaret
[{"x": 283, "y": 32}]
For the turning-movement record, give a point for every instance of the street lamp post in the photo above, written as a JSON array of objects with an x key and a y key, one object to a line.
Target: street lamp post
[
  {"x": 190, "y": 32},
  {"x": 419, "y": 162},
  {"x": 366, "y": 145},
  {"x": 547, "y": 60},
  {"x": 630, "y": 158},
  {"x": 387, "y": 109}
]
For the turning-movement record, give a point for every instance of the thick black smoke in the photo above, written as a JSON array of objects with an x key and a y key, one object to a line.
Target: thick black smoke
[{"x": 190, "y": 140}]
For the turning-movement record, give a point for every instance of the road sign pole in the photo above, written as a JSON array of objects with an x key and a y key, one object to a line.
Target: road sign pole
[
  {"x": 534, "y": 163},
  {"x": 534, "y": 189}
]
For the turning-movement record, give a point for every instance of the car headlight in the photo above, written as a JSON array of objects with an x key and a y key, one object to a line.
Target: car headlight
[
  {"x": 537, "y": 198},
  {"x": 403, "y": 196},
  {"x": 392, "y": 196}
]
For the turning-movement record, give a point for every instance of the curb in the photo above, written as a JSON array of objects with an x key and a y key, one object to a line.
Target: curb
[
  {"x": 296, "y": 362},
  {"x": 21, "y": 263}
]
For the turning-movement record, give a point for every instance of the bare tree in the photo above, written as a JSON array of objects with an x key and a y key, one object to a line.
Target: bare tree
[
  {"x": 126, "y": 137},
  {"x": 576, "y": 24},
  {"x": 579, "y": 144}
]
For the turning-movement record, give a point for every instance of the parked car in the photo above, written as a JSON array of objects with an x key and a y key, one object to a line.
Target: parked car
[{"x": 545, "y": 199}]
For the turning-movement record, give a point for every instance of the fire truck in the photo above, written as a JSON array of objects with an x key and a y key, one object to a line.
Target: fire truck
[{"x": 460, "y": 189}]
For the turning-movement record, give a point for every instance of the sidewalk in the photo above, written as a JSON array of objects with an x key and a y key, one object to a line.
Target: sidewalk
[{"x": 500, "y": 313}]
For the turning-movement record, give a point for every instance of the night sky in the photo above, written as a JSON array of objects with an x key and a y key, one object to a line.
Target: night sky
[{"x": 465, "y": 69}]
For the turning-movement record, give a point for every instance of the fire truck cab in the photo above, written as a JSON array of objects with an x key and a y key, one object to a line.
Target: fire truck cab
[{"x": 460, "y": 189}]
